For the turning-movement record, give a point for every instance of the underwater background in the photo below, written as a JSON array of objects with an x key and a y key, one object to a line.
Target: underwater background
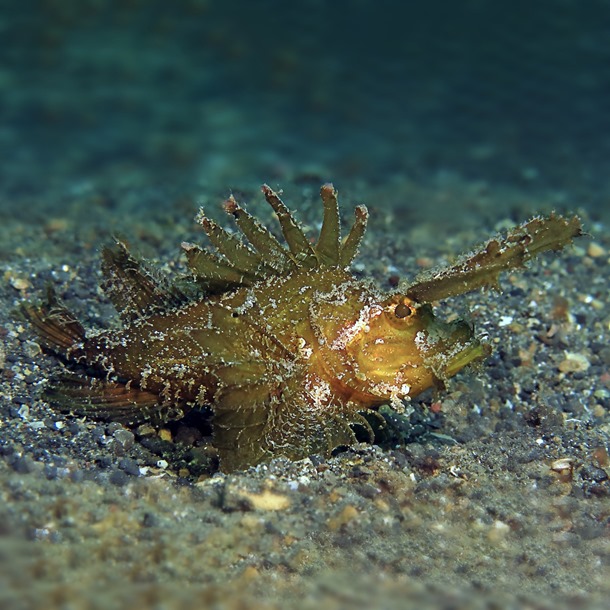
[
  {"x": 144, "y": 93},
  {"x": 449, "y": 120}
]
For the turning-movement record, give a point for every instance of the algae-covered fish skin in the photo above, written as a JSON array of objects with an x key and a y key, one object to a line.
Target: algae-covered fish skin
[{"x": 282, "y": 342}]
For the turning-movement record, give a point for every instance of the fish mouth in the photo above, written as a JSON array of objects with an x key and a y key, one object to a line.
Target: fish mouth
[
  {"x": 474, "y": 351},
  {"x": 451, "y": 348}
]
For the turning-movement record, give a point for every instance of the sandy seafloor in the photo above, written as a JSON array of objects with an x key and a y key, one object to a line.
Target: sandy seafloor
[
  {"x": 450, "y": 121},
  {"x": 495, "y": 493}
]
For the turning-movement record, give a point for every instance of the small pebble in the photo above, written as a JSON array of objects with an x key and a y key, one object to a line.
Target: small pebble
[
  {"x": 50, "y": 471},
  {"x": 14, "y": 411},
  {"x": 118, "y": 478},
  {"x": 124, "y": 437},
  {"x": 573, "y": 363},
  {"x": 19, "y": 283},
  {"x": 348, "y": 514},
  {"x": 595, "y": 250},
  {"x": 98, "y": 434},
  {"x": 593, "y": 473},
  {"x": 129, "y": 466},
  {"x": 105, "y": 461},
  {"x": 165, "y": 434},
  {"x": 23, "y": 465},
  {"x": 498, "y": 531},
  {"x": 74, "y": 427}
]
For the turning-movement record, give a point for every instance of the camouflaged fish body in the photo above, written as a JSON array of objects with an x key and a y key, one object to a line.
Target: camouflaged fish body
[{"x": 284, "y": 344}]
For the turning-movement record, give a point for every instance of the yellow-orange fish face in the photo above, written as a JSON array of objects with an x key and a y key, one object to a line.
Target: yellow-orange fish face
[
  {"x": 395, "y": 349},
  {"x": 384, "y": 344}
]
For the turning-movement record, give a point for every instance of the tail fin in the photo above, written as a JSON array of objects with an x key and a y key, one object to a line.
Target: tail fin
[{"x": 57, "y": 328}]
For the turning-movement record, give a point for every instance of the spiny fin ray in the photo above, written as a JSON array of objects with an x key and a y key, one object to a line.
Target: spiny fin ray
[
  {"x": 349, "y": 248},
  {"x": 132, "y": 290},
  {"x": 273, "y": 252},
  {"x": 330, "y": 234},
  {"x": 293, "y": 234},
  {"x": 232, "y": 248},
  {"x": 264, "y": 257},
  {"x": 211, "y": 273}
]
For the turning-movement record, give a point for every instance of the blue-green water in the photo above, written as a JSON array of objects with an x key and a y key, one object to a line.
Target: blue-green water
[{"x": 197, "y": 92}]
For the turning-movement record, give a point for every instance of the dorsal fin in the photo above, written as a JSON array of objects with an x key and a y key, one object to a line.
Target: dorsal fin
[
  {"x": 264, "y": 242},
  {"x": 349, "y": 247},
  {"x": 296, "y": 239},
  {"x": 329, "y": 242},
  {"x": 132, "y": 290},
  {"x": 232, "y": 248},
  {"x": 213, "y": 274},
  {"x": 240, "y": 265}
]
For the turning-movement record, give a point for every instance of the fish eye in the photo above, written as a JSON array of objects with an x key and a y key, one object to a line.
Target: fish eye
[{"x": 402, "y": 310}]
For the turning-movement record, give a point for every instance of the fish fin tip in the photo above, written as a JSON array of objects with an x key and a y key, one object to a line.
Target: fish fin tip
[
  {"x": 56, "y": 326},
  {"x": 131, "y": 288}
]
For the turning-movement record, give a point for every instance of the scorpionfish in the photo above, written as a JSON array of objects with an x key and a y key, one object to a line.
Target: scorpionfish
[{"x": 282, "y": 342}]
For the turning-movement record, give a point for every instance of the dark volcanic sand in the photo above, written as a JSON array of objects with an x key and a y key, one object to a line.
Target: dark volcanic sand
[{"x": 498, "y": 493}]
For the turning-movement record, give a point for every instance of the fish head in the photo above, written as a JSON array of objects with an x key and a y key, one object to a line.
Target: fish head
[{"x": 395, "y": 348}]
